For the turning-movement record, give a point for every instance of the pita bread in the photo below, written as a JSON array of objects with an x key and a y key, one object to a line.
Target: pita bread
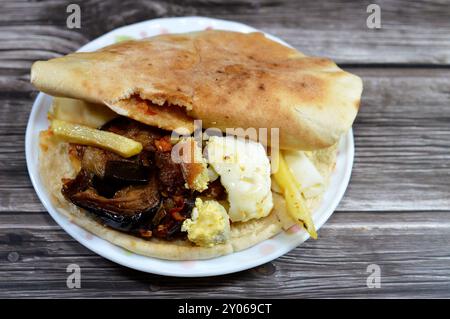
[
  {"x": 56, "y": 164},
  {"x": 226, "y": 79}
]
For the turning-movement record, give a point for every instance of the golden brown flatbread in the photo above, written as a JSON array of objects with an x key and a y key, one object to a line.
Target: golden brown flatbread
[{"x": 227, "y": 79}]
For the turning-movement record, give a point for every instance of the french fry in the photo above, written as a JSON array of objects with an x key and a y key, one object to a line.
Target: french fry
[
  {"x": 294, "y": 199},
  {"x": 84, "y": 135}
]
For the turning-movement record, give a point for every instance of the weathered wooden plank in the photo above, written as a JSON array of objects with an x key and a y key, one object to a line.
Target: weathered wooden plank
[
  {"x": 402, "y": 137},
  {"x": 410, "y": 248},
  {"x": 410, "y": 33}
]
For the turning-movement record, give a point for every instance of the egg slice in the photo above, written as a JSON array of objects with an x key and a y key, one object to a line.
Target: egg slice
[
  {"x": 209, "y": 224},
  {"x": 244, "y": 170}
]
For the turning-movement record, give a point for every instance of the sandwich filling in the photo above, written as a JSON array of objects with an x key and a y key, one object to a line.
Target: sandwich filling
[
  {"x": 140, "y": 180},
  {"x": 154, "y": 194},
  {"x": 145, "y": 194}
]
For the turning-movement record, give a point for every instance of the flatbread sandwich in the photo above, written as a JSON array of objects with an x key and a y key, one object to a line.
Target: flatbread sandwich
[{"x": 195, "y": 145}]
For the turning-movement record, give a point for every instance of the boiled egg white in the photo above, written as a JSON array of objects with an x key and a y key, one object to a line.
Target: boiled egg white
[{"x": 244, "y": 170}]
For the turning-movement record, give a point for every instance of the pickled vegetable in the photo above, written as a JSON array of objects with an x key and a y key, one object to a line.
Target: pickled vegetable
[
  {"x": 84, "y": 135},
  {"x": 295, "y": 202}
]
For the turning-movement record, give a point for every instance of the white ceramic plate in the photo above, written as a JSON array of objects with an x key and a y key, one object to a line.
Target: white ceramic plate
[{"x": 251, "y": 257}]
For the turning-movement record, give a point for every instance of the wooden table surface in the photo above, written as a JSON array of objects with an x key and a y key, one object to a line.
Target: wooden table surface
[{"x": 395, "y": 213}]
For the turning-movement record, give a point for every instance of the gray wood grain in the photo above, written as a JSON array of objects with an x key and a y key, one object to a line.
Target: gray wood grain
[
  {"x": 414, "y": 262},
  {"x": 415, "y": 32},
  {"x": 396, "y": 211}
]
